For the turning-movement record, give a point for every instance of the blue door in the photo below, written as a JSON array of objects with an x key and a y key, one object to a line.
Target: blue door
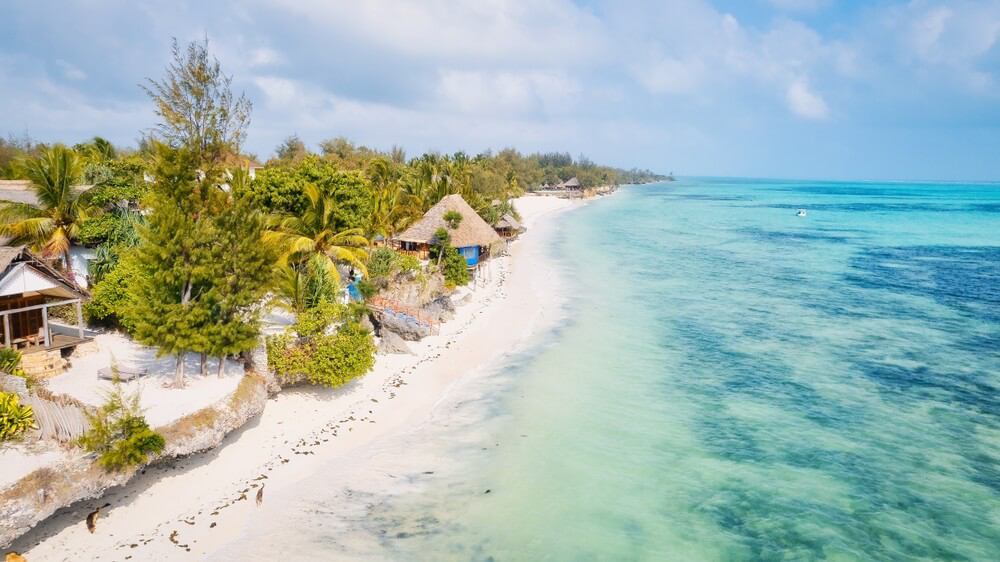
[{"x": 471, "y": 254}]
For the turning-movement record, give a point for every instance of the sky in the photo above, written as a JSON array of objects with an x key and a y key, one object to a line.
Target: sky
[{"x": 814, "y": 89}]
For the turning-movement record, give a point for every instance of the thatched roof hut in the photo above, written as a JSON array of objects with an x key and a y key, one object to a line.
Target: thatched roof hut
[
  {"x": 472, "y": 230},
  {"x": 508, "y": 226},
  {"x": 508, "y": 222},
  {"x": 572, "y": 183}
]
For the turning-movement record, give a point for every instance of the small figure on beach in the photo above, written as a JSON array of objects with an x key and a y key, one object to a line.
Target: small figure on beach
[
  {"x": 92, "y": 519},
  {"x": 260, "y": 495}
]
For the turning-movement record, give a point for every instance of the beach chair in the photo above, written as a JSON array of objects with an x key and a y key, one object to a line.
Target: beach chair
[{"x": 125, "y": 374}]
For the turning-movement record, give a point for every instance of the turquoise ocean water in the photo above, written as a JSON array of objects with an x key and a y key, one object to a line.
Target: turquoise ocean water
[{"x": 731, "y": 382}]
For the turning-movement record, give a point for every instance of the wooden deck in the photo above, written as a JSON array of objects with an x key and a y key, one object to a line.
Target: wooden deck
[{"x": 59, "y": 341}]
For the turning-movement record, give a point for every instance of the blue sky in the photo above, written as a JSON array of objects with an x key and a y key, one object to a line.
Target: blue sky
[{"x": 768, "y": 88}]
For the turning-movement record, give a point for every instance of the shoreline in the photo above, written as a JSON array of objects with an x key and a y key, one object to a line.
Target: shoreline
[{"x": 192, "y": 507}]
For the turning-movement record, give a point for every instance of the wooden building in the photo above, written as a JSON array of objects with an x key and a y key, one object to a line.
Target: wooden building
[
  {"x": 28, "y": 289},
  {"x": 473, "y": 236},
  {"x": 508, "y": 227}
]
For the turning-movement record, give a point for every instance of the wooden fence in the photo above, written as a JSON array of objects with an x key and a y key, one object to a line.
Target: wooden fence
[{"x": 60, "y": 421}]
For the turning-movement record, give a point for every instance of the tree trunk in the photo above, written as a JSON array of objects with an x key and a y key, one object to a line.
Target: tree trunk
[
  {"x": 204, "y": 361},
  {"x": 68, "y": 267},
  {"x": 222, "y": 366},
  {"x": 179, "y": 371}
]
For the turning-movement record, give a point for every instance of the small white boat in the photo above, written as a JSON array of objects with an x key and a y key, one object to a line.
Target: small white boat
[{"x": 801, "y": 213}]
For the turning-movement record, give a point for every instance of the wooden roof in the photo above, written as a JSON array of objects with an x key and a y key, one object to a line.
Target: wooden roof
[
  {"x": 471, "y": 231},
  {"x": 12, "y": 256},
  {"x": 572, "y": 182}
]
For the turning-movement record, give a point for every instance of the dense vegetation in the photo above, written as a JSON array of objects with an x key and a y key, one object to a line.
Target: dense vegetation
[
  {"x": 190, "y": 249},
  {"x": 321, "y": 357}
]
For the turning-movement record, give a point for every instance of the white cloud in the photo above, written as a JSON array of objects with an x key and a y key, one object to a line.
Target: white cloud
[
  {"x": 804, "y": 102},
  {"x": 60, "y": 112},
  {"x": 516, "y": 93},
  {"x": 264, "y": 56},
  {"x": 670, "y": 76},
  {"x": 70, "y": 71},
  {"x": 280, "y": 92},
  {"x": 455, "y": 30}
]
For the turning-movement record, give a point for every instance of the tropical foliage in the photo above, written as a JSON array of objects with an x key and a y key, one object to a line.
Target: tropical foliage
[
  {"x": 454, "y": 268},
  {"x": 10, "y": 361},
  {"x": 328, "y": 360},
  {"x": 190, "y": 249},
  {"x": 316, "y": 232},
  {"x": 14, "y": 418},
  {"x": 110, "y": 302},
  {"x": 50, "y": 227}
]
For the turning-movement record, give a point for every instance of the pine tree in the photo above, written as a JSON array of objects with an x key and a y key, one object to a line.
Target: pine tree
[
  {"x": 179, "y": 298},
  {"x": 175, "y": 259},
  {"x": 241, "y": 275}
]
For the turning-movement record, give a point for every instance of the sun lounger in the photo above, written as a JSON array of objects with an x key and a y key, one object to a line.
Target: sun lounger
[{"x": 124, "y": 373}]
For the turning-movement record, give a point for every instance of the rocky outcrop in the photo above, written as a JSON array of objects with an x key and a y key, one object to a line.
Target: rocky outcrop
[
  {"x": 391, "y": 344},
  {"x": 441, "y": 309},
  {"x": 415, "y": 290},
  {"x": 410, "y": 331},
  {"x": 39, "y": 494}
]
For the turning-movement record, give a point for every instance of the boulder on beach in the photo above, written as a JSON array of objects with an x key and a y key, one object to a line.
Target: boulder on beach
[
  {"x": 392, "y": 344},
  {"x": 366, "y": 323},
  {"x": 411, "y": 331}
]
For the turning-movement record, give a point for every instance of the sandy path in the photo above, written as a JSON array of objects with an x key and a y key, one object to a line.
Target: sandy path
[{"x": 191, "y": 507}]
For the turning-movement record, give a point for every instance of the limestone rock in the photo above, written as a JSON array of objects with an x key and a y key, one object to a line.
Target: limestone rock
[
  {"x": 366, "y": 323},
  {"x": 441, "y": 309},
  {"x": 392, "y": 344}
]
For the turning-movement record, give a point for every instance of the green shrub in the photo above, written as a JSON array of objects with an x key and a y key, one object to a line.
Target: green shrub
[
  {"x": 14, "y": 418},
  {"x": 332, "y": 360},
  {"x": 317, "y": 319},
  {"x": 383, "y": 263},
  {"x": 322, "y": 282},
  {"x": 453, "y": 218},
  {"x": 408, "y": 263},
  {"x": 441, "y": 239},
  {"x": 110, "y": 303},
  {"x": 119, "y": 432},
  {"x": 367, "y": 289},
  {"x": 455, "y": 268},
  {"x": 97, "y": 229},
  {"x": 10, "y": 361}
]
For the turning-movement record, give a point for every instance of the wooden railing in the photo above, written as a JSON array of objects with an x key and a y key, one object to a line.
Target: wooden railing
[{"x": 385, "y": 305}]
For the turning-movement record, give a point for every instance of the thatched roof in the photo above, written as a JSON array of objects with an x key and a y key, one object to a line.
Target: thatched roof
[
  {"x": 471, "y": 231},
  {"x": 508, "y": 221},
  {"x": 7, "y": 255},
  {"x": 572, "y": 183},
  {"x": 239, "y": 161}
]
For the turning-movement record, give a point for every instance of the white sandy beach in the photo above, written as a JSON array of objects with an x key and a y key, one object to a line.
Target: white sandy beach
[{"x": 190, "y": 508}]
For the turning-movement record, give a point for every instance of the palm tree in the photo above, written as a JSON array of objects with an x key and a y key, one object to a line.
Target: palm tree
[
  {"x": 50, "y": 227},
  {"x": 315, "y": 234}
]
